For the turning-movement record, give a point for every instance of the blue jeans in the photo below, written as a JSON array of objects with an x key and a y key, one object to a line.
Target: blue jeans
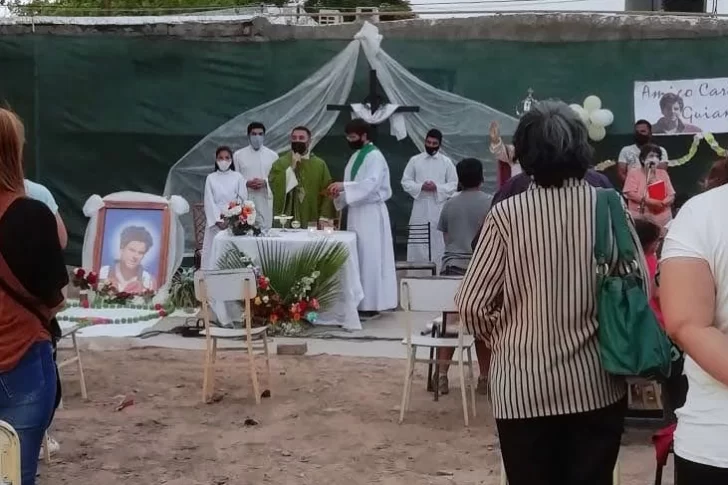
[{"x": 27, "y": 399}]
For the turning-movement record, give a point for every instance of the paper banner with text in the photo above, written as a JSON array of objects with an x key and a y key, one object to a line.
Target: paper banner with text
[{"x": 683, "y": 107}]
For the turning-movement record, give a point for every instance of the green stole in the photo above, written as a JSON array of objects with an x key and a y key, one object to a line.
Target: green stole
[{"x": 363, "y": 152}]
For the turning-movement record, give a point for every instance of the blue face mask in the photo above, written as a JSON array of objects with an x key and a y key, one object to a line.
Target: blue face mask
[{"x": 256, "y": 141}]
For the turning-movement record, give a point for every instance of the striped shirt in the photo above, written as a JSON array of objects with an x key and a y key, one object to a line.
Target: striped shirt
[{"x": 530, "y": 293}]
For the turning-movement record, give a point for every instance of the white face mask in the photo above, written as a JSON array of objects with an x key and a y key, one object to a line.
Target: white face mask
[
  {"x": 223, "y": 165},
  {"x": 652, "y": 160}
]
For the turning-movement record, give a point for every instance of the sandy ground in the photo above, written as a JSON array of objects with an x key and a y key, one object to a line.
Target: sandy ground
[{"x": 331, "y": 420}]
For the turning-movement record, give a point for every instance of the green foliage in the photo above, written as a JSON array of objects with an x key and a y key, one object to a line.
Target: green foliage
[
  {"x": 285, "y": 269},
  {"x": 182, "y": 289},
  {"x": 233, "y": 258},
  {"x": 346, "y": 6},
  {"x": 83, "y": 8}
]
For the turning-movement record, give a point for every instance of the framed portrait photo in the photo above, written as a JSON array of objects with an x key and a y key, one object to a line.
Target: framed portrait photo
[{"x": 132, "y": 245}]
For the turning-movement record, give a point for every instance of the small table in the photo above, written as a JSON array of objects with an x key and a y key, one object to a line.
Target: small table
[{"x": 344, "y": 312}]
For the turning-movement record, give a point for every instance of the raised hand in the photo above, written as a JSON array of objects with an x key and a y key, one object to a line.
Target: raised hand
[{"x": 494, "y": 132}]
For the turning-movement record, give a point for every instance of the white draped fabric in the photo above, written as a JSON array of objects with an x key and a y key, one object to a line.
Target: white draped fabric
[
  {"x": 427, "y": 206},
  {"x": 365, "y": 196},
  {"x": 256, "y": 164},
  {"x": 463, "y": 122},
  {"x": 397, "y": 127}
]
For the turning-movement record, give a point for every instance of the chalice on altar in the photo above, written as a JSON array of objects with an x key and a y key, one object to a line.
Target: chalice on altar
[
  {"x": 283, "y": 220},
  {"x": 296, "y": 225}
]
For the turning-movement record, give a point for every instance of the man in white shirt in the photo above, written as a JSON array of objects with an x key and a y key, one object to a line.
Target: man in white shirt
[
  {"x": 694, "y": 301},
  {"x": 431, "y": 179},
  {"x": 254, "y": 162},
  {"x": 629, "y": 156},
  {"x": 40, "y": 192}
]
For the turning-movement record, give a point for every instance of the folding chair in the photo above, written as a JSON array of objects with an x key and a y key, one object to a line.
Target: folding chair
[
  {"x": 228, "y": 286},
  {"x": 418, "y": 235},
  {"x": 435, "y": 294},
  {"x": 9, "y": 455},
  {"x": 76, "y": 359}
]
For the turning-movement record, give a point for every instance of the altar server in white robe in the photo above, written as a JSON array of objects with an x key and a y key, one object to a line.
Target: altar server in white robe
[
  {"x": 431, "y": 179},
  {"x": 365, "y": 190},
  {"x": 254, "y": 162},
  {"x": 222, "y": 186}
]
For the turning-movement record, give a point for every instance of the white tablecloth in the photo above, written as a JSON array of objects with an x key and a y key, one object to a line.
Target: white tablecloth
[{"x": 344, "y": 311}]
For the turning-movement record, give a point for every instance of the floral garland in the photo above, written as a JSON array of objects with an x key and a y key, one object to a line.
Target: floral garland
[
  {"x": 105, "y": 291},
  {"x": 709, "y": 139},
  {"x": 156, "y": 311}
]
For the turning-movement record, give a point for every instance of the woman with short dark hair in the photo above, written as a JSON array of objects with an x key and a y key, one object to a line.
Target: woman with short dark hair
[
  {"x": 644, "y": 197},
  {"x": 530, "y": 293}
]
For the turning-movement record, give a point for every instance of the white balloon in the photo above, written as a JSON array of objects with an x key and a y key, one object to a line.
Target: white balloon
[
  {"x": 602, "y": 117},
  {"x": 592, "y": 103},
  {"x": 597, "y": 133},
  {"x": 581, "y": 113}
]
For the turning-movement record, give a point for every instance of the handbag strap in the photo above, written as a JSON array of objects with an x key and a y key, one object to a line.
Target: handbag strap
[
  {"x": 610, "y": 218},
  {"x": 620, "y": 229}
]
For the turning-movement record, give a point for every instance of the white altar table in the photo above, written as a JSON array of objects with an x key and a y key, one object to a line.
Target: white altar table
[{"x": 343, "y": 312}]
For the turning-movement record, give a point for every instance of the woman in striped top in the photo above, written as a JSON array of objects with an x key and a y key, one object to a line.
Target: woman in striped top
[{"x": 530, "y": 292}]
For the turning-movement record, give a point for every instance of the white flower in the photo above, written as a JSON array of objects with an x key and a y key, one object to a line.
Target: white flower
[
  {"x": 251, "y": 218},
  {"x": 249, "y": 204},
  {"x": 265, "y": 299},
  {"x": 234, "y": 211},
  {"x": 315, "y": 274}
]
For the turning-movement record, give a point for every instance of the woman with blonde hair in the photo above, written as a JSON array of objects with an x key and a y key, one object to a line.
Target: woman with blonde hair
[{"x": 32, "y": 276}]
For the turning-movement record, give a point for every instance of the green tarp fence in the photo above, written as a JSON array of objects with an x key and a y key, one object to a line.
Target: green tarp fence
[{"x": 112, "y": 113}]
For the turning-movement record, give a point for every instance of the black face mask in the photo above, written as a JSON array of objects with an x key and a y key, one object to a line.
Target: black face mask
[
  {"x": 355, "y": 145},
  {"x": 641, "y": 139},
  {"x": 298, "y": 147},
  {"x": 431, "y": 150}
]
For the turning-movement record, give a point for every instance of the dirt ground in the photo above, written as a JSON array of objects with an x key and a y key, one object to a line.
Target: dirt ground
[{"x": 331, "y": 420}]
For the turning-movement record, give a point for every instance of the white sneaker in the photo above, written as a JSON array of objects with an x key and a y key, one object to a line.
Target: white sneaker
[{"x": 53, "y": 447}]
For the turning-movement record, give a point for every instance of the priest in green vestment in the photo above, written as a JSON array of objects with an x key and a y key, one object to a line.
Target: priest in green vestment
[{"x": 299, "y": 182}]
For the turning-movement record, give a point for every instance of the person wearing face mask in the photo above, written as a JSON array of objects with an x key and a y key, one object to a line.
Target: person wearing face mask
[
  {"x": 431, "y": 179},
  {"x": 648, "y": 188},
  {"x": 365, "y": 191},
  {"x": 254, "y": 162},
  {"x": 629, "y": 156},
  {"x": 222, "y": 186},
  {"x": 298, "y": 181}
]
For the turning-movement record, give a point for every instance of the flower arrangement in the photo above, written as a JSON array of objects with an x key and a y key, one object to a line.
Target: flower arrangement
[
  {"x": 292, "y": 288},
  {"x": 105, "y": 291},
  {"x": 84, "y": 280},
  {"x": 298, "y": 306},
  {"x": 240, "y": 218}
]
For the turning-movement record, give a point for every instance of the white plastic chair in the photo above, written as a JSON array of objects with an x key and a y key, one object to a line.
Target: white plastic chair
[
  {"x": 10, "y": 472},
  {"x": 434, "y": 294},
  {"x": 230, "y": 285}
]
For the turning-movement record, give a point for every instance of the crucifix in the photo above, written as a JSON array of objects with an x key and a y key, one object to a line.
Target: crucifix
[{"x": 374, "y": 100}]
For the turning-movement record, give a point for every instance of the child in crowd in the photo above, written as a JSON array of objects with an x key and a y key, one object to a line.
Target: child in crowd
[{"x": 650, "y": 235}]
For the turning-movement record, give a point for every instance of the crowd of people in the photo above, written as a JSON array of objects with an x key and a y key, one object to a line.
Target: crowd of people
[{"x": 526, "y": 257}]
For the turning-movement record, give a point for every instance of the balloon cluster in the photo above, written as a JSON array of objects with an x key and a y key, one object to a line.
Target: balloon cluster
[{"x": 594, "y": 117}]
